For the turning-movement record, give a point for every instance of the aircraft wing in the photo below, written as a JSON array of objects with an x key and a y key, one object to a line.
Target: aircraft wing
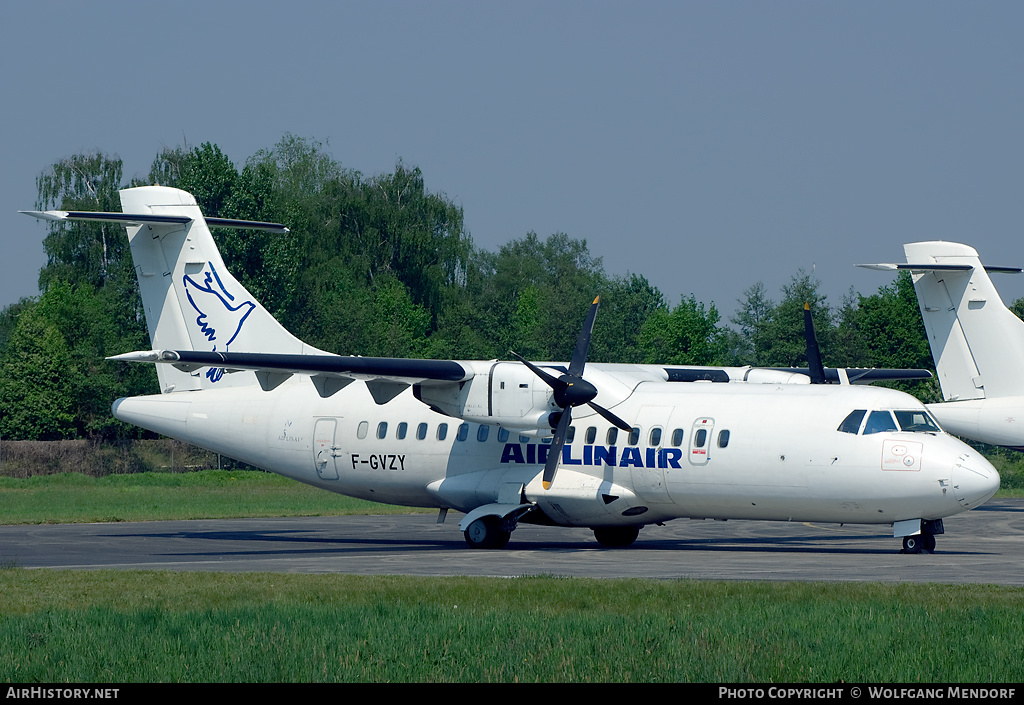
[
  {"x": 273, "y": 368},
  {"x": 385, "y": 377},
  {"x": 863, "y": 375},
  {"x": 854, "y": 375}
]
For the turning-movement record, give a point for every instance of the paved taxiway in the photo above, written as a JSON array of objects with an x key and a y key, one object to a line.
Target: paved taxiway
[{"x": 981, "y": 546}]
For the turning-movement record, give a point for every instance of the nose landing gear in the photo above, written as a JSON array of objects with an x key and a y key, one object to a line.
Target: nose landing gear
[
  {"x": 918, "y": 534},
  {"x": 919, "y": 543}
]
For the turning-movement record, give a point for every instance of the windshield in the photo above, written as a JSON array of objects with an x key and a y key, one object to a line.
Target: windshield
[
  {"x": 881, "y": 421},
  {"x": 917, "y": 421}
]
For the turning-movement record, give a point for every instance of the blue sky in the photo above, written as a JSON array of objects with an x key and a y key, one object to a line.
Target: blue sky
[{"x": 704, "y": 145}]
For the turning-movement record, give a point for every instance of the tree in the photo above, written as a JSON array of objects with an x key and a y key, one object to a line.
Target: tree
[
  {"x": 788, "y": 347},
  {"x": 754, "y": 319},
  {"x": 626, "y": 304},
  {"x": 689, "y": 334},
  {"x": 80, "y": 252},
  {"x": 54, "y": 379},
  {"x": 37, "y": 402}
]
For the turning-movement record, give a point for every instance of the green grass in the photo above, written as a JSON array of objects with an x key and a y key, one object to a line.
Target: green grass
[
  {"x": 150, "y": 496},
  {"x": 124, "y": 626}
]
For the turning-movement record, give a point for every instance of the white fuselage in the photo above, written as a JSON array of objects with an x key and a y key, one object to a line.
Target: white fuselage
[{"x": 768, "y": 452}]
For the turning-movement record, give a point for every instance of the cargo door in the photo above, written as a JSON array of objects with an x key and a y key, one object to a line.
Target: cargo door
[{"x": 325, "y": 452}]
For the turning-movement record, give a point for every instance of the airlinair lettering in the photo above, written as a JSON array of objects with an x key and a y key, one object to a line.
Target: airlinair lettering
[{"x": 630, "y": 456}]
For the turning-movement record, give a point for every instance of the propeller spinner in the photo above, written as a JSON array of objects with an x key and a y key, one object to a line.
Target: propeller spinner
[{"x": 570, "y": 390}]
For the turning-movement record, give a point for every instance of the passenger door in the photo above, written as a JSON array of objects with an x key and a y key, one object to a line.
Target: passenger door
[{"x": 700, "y": 441}]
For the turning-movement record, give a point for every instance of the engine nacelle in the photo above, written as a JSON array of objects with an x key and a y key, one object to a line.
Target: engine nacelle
[
  {"x": 506, "y": 394},
  {"x": 760, "y": 375}
]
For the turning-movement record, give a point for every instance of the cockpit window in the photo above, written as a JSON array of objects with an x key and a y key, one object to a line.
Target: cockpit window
[
  {"x": 851, "y": 424},
  {"x": 879, "y": 422},
  {"x": 917, "y": 421}
]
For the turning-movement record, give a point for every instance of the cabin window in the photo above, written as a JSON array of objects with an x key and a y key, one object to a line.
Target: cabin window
[
  {"x": 382, "y": 429},
  {"x": 612, "y": 435},
  {"x": 361, "y": 431},
  {"x": 442, "y": 431},
  {"x": 916, "y": 421},
  {"x": 677, "y": 437},
  {"x": 700, "y": 438},
  {"x": 463, "y": 432},
  {"x": 570, "y": 434},
  {"x": 879, "y": 422},
  {"x": 591, "y": 435},
  {"x": 723, "y": 439},
  {"x": 421, "y": 432},
  {"x": 851, "y": 424},
  {"x": 481, "y": 433},
  {"x": 655, "y": 439},
  {"x": 502, "y": 435},
  {"x": 634, "y": 436},
  {"x": 403, "y": 429},
  {"x": 524, "y": 439}
]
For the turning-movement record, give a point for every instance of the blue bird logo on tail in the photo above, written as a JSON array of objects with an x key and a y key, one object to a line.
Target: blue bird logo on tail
[{"x": 220, "y": 319}]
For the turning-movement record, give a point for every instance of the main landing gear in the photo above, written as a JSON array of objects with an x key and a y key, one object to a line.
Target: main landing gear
[
  {"x": 494, "y": 532},
  {"x": 616, "y": 536},
  {"x": 489, "y": 532}
]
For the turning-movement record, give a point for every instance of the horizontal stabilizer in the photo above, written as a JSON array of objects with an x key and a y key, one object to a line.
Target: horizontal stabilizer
[
  {"x": 150, "y": 219},
  {"x": 933, "y": 267}
]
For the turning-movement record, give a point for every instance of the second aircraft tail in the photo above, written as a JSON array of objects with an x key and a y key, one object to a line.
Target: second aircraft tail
[{"x": 976, "y": 341}]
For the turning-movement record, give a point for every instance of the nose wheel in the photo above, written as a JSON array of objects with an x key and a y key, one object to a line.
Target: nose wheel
[{"x": 919, "y": 543}]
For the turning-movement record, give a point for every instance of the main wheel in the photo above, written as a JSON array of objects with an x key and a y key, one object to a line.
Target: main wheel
[
  {"x": 486, "y": 532},
  {"x": 616, "y": 536}
]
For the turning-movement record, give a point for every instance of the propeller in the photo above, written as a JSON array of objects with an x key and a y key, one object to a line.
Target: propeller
[
  {"x": 814, "y": 367},
  {"x": 570, "y": 390}
]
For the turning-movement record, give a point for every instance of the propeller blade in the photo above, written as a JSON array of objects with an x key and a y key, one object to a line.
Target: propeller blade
[
  {"x": 814, "y": 366},
  {"x": 555, "y": 451},
  {"x": 609, "y": 416},
  {"x": 552, "y": 382},
  {"x": 579, "y": 355},
  {"x": 570, "y": 389}
]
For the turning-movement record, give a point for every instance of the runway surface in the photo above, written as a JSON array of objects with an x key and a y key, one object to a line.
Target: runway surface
[{"x": 980, "y": 546}]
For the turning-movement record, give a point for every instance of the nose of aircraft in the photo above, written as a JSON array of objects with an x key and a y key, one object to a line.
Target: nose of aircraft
[{"x": 974, "y": 480}]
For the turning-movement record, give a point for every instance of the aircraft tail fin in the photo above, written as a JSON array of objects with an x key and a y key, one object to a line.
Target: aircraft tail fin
[
  {"x": 976, "y": 341},
  {"x": 191, "y": 301}
]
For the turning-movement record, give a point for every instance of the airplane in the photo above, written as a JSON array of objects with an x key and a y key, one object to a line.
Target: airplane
[
  {"x": 976, "y": 341},
  {"x": 610, "y": 447}
]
